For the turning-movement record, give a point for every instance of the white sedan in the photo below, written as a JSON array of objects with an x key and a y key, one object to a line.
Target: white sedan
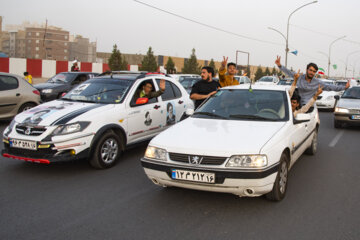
[{"x": 241, "y": 141}]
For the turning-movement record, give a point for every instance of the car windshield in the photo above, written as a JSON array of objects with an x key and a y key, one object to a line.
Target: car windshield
[
  {"x": 104, "y": 91},
  {"x": 341, "y": 83},
  {"x": 285, "y": 82},
  {"x": 242, "y": 104},
  {"x": 352, "y": 93},
  {"x": 61, "y": 78},
  {"x": 266, "y": 79}
]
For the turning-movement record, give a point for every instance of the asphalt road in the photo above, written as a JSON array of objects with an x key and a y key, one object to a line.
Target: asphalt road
[{"x": 73, "y": 201}]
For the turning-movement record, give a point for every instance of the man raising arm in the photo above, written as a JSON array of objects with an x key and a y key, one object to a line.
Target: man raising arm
[{"x": 227, "y": 79}]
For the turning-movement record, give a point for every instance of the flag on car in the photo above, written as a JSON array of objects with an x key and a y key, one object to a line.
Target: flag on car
[{"x": 321, "y": 71}]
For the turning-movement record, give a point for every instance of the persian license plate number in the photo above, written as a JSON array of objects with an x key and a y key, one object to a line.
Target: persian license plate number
[
  {"x": 193, "y": 176},
  {"x": 16, "y": 143}
]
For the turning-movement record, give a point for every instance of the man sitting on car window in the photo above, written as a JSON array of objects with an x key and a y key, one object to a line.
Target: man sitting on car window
[
  {"x": 146, "y": 90},
  {"x": 295, "y": 98}
]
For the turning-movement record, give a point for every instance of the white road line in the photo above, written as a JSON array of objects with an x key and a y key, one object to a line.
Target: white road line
[{"x": 336, "y": 139}]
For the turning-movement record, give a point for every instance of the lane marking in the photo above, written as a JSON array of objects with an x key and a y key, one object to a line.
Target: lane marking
[{"x": 336, "y": 139}]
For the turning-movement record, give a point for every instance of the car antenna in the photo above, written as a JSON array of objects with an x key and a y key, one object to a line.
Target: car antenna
[{"x": 250, "y": 89}]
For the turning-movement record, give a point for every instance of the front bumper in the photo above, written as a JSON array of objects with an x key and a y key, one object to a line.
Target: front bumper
[
  {"x": 348, "y": 118},
  {"x": 325, "y": 104},
  {"x": 233, "y": 181}
]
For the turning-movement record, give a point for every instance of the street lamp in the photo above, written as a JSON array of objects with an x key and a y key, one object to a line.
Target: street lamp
[
  {"x": 330, "y": 52},
  {"x": 347, "y": 58},
  {"x": 279, "y": 33},
  {"x": 248, "y": 66},
  {"x": 355, "y": 63},
  {"x": 287, "y": 33}
]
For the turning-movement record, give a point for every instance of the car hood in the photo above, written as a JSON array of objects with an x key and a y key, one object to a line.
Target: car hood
[
  {"x": 58, "y": 112},
  {"x": 42, "y": 86},
  {"x": 349, "y": 103},
  {"x": 217, "y": 137}
]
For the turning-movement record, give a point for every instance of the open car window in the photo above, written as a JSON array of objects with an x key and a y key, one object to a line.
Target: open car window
[{"x": 139, "y": 89}]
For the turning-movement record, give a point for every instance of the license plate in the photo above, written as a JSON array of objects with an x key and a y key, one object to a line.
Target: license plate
[
  {"x": 16, "y": 143},
  {"x": 357, "y": 117},
  {"x": 193, "y": 176}
]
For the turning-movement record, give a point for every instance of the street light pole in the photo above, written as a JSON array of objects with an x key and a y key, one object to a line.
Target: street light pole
[
  {"x": 287, "y": 32},
  {"x": 330, "y": 52},
  {"x": 248, "y": 66},
  {"x": 279, "y": 33},
  {"x": 347, "y": 59}
]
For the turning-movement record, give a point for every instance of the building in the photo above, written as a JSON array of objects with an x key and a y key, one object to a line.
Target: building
[
  {"x": 47, "y": 43},
  {"x": 82, "y": 49}
]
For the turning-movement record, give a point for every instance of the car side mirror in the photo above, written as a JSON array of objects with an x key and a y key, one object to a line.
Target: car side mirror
[
  {"x": 337, "y": 97},
  {"x": 189, "y": 112},
  {"x": 302, "y": 117},
  {"x": 141, "y": 101}
]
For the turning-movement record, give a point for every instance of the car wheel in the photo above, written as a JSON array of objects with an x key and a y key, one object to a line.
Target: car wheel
[
  {"x": 26, "y": 106},
  {"x": 313, "y": 147},
  {"x": 337, "y": 124},
  {"x": 279, "y": 189},
  {"x": 107, "y": 151}
]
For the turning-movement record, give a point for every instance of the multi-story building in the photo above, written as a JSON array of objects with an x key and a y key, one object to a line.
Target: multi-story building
[{"x": 82, "y": 49}]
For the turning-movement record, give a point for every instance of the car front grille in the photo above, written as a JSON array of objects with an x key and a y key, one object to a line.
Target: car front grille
[
  {"x": 197, "y": 159},
  {"x": 30, "y": 131}
]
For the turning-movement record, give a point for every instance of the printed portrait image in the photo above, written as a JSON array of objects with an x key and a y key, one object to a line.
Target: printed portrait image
[
  {"x": 170, "y": 115},
  {"x": 148, "y": 119}
]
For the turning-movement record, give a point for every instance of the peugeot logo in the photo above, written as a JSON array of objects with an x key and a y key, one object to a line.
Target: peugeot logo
[
  {"x": 194, "y": 159},
  {"x": 28, "y": 131}
]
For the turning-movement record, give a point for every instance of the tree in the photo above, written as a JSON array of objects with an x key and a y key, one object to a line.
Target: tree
[
  {"x": 259, "y": 73},
  {"x": 212, "y": 64},
  {"x": 170, "y": 66},
  {"x": 117, "y": 61},
  {"x": 248, "y": 73},
  {"x": 274, "y": 72},
  {"x": 149, "y": 62},
  {"x": 267, "y": 72},
  {"x": 191, "y": 65}
]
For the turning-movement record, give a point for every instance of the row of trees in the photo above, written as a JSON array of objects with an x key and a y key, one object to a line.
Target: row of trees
[{"x": 191, "y": 65}]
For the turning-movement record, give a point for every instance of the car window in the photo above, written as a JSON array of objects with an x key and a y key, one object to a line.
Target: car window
[
  {"x": 61, "y": 78},
  {"x": 176, "y": 90},
  {"x": 139, "y": 89},
  {"x": 80, "y": 79},
  {"x": 170, "y": 91},
  {"x": 8, "y": 83},
  {"x": 185, "y": 83}
]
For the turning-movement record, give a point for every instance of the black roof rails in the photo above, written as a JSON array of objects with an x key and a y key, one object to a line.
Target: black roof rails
[{"x": 152, "y": 73}]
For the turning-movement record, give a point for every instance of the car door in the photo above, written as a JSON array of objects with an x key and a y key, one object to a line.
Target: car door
[
  {"x": 173, "y": 103},
  {"x": 10, "y": 94},
  {"x": 144, "y": 120}
]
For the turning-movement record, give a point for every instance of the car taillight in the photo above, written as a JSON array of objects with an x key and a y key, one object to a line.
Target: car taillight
[
  {"x": 63, "y": 94},
  {"x": 36, "y": 92}
]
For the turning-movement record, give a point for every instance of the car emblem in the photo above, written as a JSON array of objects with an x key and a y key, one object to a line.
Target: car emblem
[
  {"x": 28, "y": 131},
  {"x": 194, "y": 159}
]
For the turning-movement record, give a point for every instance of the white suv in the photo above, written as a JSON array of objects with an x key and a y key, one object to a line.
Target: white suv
[{"x": 96, "y": 120}]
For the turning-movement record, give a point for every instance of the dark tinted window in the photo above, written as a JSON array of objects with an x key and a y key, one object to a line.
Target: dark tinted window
[
  {"x": 176, "y": 90},
  {"x": 8, "y": 83},
  {"x": 169, "y": 92}
]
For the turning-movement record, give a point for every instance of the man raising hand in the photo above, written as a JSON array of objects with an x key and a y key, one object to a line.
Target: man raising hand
[{"x": 227, "y": 79}]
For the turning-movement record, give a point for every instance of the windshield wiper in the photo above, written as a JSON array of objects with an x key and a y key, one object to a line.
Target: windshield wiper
[
  {"x": 102, "y": 92},
  {"x": 210, "y": 114},
  {"x": 61, "y": 80},
  {"x": 252, "y": 117}
]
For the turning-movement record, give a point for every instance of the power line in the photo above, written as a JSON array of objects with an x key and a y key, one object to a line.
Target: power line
[{"x": 207, "y": 25}]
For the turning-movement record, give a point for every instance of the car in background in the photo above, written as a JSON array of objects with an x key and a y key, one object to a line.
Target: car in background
[
  {"x": 238, "y": 141},
  {"x": 188, "y": 83},
  {"x": 62, "y": 83},
  {"x": 243, "y": 79},
  {"x": 121, "y": 72},
  {"x": 96, "y": 120},
  {"x": 285, "y": 81},
  {"x": 341, "y": 82},
  {"x": 179, "y": 77},
  {"x": 327, "y": 99},
  {"x": 347, "y": 110},
  {"x": 16, "y": 95},
  {"x": 267, "y": 80}
]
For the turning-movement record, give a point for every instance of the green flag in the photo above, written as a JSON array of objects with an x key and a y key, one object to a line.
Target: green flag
[{"x": 335, "y": 66}]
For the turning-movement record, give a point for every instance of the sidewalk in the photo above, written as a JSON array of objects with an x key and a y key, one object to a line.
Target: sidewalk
[{"x": 39, "y": 80}]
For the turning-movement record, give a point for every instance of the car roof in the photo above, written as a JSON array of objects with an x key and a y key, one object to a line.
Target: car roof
[
  {"x": 133, "y": 77},
  {"x": 259, "y": 87},
  {"x": 77, "y": 72}
]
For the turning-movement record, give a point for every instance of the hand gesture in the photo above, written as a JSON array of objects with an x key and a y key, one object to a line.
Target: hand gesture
[
  {"x": 277, "y": 61},
  {"x": 319, "y": 91},
  {"x": 162, "y": 84},
  {"x": 347, "y": 84},
  {"x": 224, "y": 62},
  {"x": 296, "y": 76}
]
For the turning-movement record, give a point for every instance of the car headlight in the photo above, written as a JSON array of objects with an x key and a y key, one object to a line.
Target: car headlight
[
  {"x": 47, "y": 91},
  {"x": 341, "y": 110},
  {"x": 155, "y": 153},
  {"x": 70, "y": 128},
  {"x": 9, "y": 128},
  {"x": 247, "y": 161}
]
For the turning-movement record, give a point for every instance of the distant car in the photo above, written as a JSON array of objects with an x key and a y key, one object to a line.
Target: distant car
[
  {"x": 62, "y": 83},
  {"x": 327, "y": 99},
  {"x": 180, "y": 77},
  {"x": 188, "y": 82},
  {"x": 242, "y": 79},
  {"x": 16, "y": 95},
  {"x": 238, "y": 141},
  {"x": 341, "y": 82},
  {"x": 347, "y": 110},
  {"x": 96, "y": 120},
  {"x": 267, "y": 80},
  {"x": 121, "y": 72},
  {"x": 286, "y": 81}
]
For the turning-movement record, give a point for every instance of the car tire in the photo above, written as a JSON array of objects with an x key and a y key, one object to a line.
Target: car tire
[
  {"x": 313, "y": 147},
  {"x": 107, "y": 151},
  {"x": 337, "y": 124},
  {"x": 280, "y": 185},
  {"x": 26, "y": 106}
]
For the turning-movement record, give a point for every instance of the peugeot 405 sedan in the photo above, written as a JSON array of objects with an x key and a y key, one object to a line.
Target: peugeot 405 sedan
[
  {"x": 347, "y": 110},
  {"x": 241, "y": 140},
  {"x": 97, "y": 120}
]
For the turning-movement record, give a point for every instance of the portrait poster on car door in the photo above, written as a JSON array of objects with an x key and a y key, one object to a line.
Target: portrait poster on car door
[{"x": 170, "y": 114}]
